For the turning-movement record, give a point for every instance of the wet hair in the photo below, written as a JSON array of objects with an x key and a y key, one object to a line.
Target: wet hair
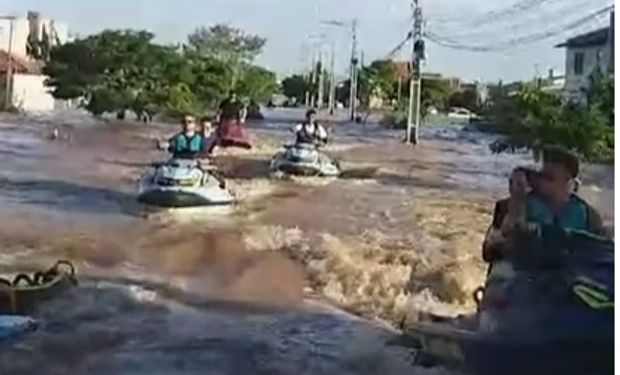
[
  {"x": 561, "y": 156},
  {"x": 311, "y": 111}
]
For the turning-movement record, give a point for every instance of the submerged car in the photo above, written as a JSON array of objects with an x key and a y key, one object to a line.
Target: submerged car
[{"x": 184, "y": 183}]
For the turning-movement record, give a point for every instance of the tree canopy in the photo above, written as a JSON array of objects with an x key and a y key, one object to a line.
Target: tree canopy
[
  {"x": 125, "y": 70},
  {"x": 540, "y": 118}
]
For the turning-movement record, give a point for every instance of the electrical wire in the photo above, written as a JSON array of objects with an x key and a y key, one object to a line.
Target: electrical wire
[
  {"x": 541, "y": 17},
  {"x": 493, "y": 15},
  {"x": 525, "y": 39}
]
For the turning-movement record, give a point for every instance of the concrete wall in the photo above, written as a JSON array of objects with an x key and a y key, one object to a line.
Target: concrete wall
[
  {"x": 30, "y": 93},
  {"x": 576, "y": 83}
]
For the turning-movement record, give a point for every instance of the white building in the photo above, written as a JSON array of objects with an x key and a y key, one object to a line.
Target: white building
[
  {"x": 28, "y": 91},
  {"x": 587, "y": 54},
  {"x": 31, "y": 26}
]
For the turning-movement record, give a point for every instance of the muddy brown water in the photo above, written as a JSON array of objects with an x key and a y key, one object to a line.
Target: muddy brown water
[{"x": 303, "y": 276}]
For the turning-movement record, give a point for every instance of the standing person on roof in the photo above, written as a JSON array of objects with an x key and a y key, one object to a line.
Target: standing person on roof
[{"x": 310, "y": 131}]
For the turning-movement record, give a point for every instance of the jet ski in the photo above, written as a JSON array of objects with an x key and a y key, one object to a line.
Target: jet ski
[
  {"x": 304, "y": 159},
  {"x": 184, "y": 183},
  {"x": 548, "y": 308},
  {"x": 232, "y": 134}
]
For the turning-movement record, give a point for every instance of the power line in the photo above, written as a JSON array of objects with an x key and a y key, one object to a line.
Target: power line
[
  {"x": 399, "y": 46},
  {"x": 515, "y": 24},
  {"x": 493, "y": 15},
  {"x": 525, "y": 39}
]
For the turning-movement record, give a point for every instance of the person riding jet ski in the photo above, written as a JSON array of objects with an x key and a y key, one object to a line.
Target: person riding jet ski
[
  {"x": 542, "y": 198},
  {"x": 310, "y": 131},
  {"x": 188, "y": 144}
]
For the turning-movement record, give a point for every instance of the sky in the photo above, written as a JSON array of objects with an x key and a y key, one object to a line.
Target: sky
[{"x": 289, "y": 25}]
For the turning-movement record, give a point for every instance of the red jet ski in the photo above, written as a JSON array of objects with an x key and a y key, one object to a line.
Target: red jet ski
[{"x": 231, "y": 134}]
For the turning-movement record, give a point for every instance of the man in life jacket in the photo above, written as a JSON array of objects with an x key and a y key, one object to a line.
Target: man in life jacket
[
  {"x": 187, "y": 144},
  {"x": 310, "y": 131},
  {"x": 547, "y": 197}
]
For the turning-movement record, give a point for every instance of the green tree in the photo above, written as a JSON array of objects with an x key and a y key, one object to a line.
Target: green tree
[
  {"x": 257, "y": 83},
  {"x": 296, "y": 87},
  {"x": 545, "y": 119},
  {"x": 467, "y": 98},
  {"x": 227, "y": 44}
]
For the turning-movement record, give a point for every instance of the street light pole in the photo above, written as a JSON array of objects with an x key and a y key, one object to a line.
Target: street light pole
[
  {"x": 415, "y": 80},
  {"x": 332, "y": 80},
  {"x": 353, "y": 73},
  {"x": 9, "y": 65},
  {"x": 353, "y": 63}
]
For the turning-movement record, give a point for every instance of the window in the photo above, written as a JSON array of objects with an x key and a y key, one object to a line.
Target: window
[{"x": 578, "y": 63}]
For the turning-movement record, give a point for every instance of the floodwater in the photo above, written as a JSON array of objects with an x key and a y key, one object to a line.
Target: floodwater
[{"x": 304, "y": 276}]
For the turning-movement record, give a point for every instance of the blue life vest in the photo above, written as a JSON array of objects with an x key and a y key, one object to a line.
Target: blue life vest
[
  {"x": 574, "y": 216},
  {"x": 182, "y": 146}
]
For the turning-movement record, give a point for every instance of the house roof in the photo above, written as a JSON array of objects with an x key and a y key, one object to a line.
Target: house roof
[
  {"x": 19, "y": 64},
  {"x": 591, "y": 39},
  {"x": 403, "y": 70}
]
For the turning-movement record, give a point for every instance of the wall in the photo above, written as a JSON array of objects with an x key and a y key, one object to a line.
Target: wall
[
  {"x": 576, "y": 83},
  {"x": 30, "y": 93}
]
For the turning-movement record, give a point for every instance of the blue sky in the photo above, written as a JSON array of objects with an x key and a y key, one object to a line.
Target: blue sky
[{"x": 287, "y": 23}]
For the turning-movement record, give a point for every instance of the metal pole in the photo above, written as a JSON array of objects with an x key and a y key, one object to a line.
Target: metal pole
[
  {"x": 9, "y": 70},
  {"x": 321, "y": 73},
  {"x": 353, "y": 73},
  {"x": 332, "y": 81},
  {"x": 415, "y": 80},
  {"x": 312, "y": 78}
]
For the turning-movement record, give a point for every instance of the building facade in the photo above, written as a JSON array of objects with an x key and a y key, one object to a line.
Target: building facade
[
  {"x": 20, "y": 36},
  {"x": 587, "y": 56}
]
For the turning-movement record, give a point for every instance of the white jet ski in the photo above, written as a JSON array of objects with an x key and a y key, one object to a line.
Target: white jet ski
[
  {"x": 304, "y": 159},
  {"x": 184, "y": 183}
]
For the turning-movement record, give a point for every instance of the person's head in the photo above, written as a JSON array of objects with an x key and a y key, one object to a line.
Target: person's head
[
  {"x": 205, "y": 126},
  {"x": 233, "y": 96},
  {"x": 311, "y": 116},
  {"x": 525, "y": 176},
  {"x": 189, "y": 124},
  {"x": 559, "y": 172}
]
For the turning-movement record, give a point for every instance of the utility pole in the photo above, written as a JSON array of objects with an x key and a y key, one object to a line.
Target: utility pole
[
  {"x": 415, "y": 80},
  {"x": 332, "y": 80},
  {"x": 313, "y": 79},
  {"x": 321, "y": 72},
  {"x": 353, "y": 73},
  {"x": 9, "y": 66}
]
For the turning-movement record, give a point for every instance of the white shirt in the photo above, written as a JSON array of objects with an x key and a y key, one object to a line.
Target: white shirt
[{"x": 318, "y": 130}]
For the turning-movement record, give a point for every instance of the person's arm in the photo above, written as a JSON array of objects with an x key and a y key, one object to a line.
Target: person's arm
[
  {"x": 172, "y": 144},
  {"x": 493, "y": 240},
  {"x": 322, "y": 133},
  {"x": 595, "y": 223},
  {"x": 297, "y": 128}
]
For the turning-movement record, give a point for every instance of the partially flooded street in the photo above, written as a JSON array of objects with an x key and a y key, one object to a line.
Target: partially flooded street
[{"x": 302, "y": 276}]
